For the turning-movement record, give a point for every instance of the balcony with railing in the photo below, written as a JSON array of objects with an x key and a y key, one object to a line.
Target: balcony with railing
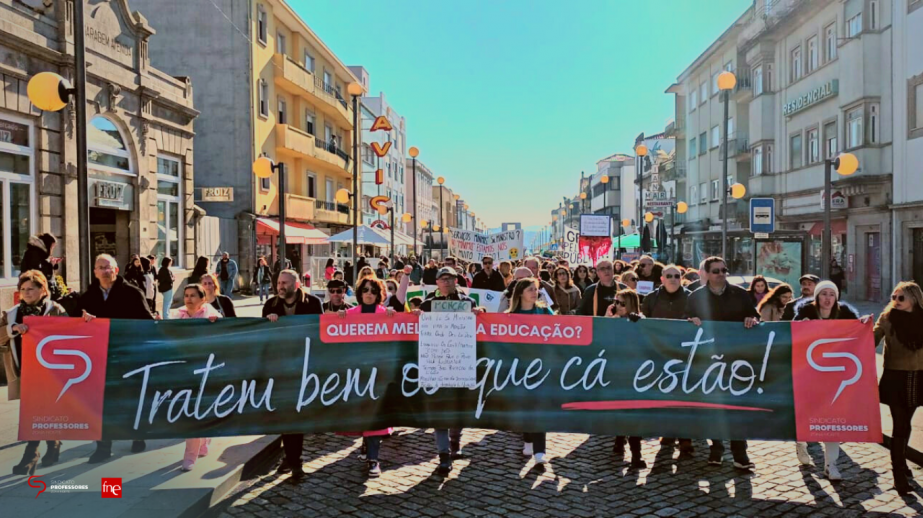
[
  {"x": 743, "y": 90},
  {"x": 676, "y": 128},
  {"x": 331, "y": 212},
  {"x": 299, "y": 207},
  {"x": 292, "y": 77},
  {"x": 739, "y": 149},
  {"x": 295, "y": 143},
  {"x": 766, "y": 15},
  {"x": 333, "y": 153}
]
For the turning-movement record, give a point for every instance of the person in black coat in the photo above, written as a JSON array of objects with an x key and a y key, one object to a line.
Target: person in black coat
[
  {"x": 598, "y": 297},
  {"x": 718, "y": 300},
  {"x": 669, "y": 300},
  {"x": 429, "y": 273},
  {"x": 291, "y": 300},
  {"x": 36, "y": 257},
  {"x": 488, "y": 278},
  {"x": 808, "y": 283},
  {"x": 110, "y": 296}
]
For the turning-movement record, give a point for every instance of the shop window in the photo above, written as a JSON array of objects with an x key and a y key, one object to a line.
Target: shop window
[
  {"x": 106, "y": 149},
  {"x": 17, "y": 191},
  {"x": 169, "y": 211}
]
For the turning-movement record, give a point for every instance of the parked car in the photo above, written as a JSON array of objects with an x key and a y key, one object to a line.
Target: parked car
[{"x": 744, "y": 281}]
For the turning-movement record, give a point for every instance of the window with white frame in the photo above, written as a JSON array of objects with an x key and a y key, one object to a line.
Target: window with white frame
[
  {"x": 830, "y": 149},
  {"x": 694, "y": 195},
  {"x": 329, "y": 194},
  {"x": 714, "y": 83},
  {"x": 703, "y": 143},
  {"x": 261, "y": 24},
  {"x": 693, "y": 99},
  {"x": 873, "y": 15},
  {"x": 874, "y": 123},
  {"x": 106, "y": 150},
  {"x": 283, "y": 117},
  {"x": 703, "y": 192},
  {"x": 854, "y": 26},
  {"x": 692, "y": 148},
  {"x": 715, "y": 190},
  {"x": 312, "y": 185},
  {"x": 813, "y": 146},
  {"x": 715, "y": 136},
  {"x": 264, "y": 98},
  {"x": 795, "y": 71},
  {"x": 309, "y": 62},
  {"x": 768, "y": 158},
  {"x": 309, "y": 121},
  {"x": 169, "y": 210},
  {"x": 280, "y": 43},
  {"x": 916, "y": 97},
  {"x": 854, "y": 128},
  {"x": 729, "y": 66},
  {"x": 730, "y": 128},
  {"x": 768, "y": 73},
  {"x": 758, "y": 79},
  {"x": 830, "y": 42},
  {"x": 17, "y": 192},
  {"x": 795, "y": 152},
  {"x": 703, "y": 92},
  {"x": 757, "y": 161},
  {"x": 813, "y": 58}
]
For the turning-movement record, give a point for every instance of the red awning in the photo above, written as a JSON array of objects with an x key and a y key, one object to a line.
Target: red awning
[
  {"x": 295, "y": 233},
  {"x": 837, "y": 226}
]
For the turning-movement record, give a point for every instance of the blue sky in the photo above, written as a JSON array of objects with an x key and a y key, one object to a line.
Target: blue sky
[{"x": 511, "y": 100}]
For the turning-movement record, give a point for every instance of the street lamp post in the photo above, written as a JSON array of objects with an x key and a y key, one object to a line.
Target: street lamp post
[
  {"x": 263, "y": 168},
  {"x": 845, "y": 164},
  {"x": 440, "y": 181},
  {"x": 726, "y": 82},
  {"x": 355, "y": 90},
  {"x": 641, "y": 151},
  {"x": 677, "y": 208},
  {"x": 414, "y": 152}
]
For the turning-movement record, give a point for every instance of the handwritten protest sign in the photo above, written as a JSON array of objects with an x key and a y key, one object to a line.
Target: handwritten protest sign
[
  {"x": 448, "y": 350},
  {"x": 473, "y": 246}
]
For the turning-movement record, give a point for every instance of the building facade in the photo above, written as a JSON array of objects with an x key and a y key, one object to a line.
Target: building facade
[
  {"x": 276, "y": 90},
  {"x": 139, "y": 133},
  {"x": 424, "y": 197}
]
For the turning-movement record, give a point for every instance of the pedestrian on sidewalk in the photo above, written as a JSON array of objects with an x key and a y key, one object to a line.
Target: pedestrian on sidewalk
[
  {"x": 826, "y": 306},
  {"x": 195, "y": 307},
  {"x": 148, "y": 287},
  {"x": 758, "y": 289},
  {"x": 201, "y": 268},
  {"x": 901, "y": 385},
  {"x": 222, "y": 303},
  {"x": 34, "y": 300},
  {"x": 165, "y": 280},
  {"x": 525, "y": 301},
  {"x": 111, "y": 296},
  {"x": 290, "y": 300},
  {"x": 627, "y": 305},
  {"x": 227, "y": 271},
  {"x": 721, "y": 301},
  {"x": 371, "y": 298},
  {"x": 262, "y": 276}
]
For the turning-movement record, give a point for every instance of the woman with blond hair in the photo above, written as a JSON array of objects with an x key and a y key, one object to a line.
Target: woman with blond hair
[
  {"x": 525, "y": 301},
  {"x": 627, "y": 305},
  {"x": 213, "y": 296},
  {"x": 195, "y": 306},
  {"x": 34, "y": 301},
  {"x": 901, "y": 385}
]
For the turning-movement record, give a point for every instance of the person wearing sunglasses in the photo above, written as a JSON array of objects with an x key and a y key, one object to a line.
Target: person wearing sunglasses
[
  {"x": 825, "y": 306},
  {"x": 720, "y": 301},
  {"x": 598, "y": 297},
  {"x": 901, "y": 385},
  {"x": 627, "y": 305},
  {"x": 336, "y": 297},
  {"x": 648, "y": 270},
  {"x": 488, "y": 278}
]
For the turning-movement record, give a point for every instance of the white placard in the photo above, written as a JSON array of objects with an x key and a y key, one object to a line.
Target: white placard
[
  {"x": 447, "y": 350},
  {"x": 595, "y": 225},
  {"x": 645, "y": 287}
]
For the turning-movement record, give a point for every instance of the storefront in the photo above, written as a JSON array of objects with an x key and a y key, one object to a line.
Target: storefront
[{"x": 139, "y": 138}]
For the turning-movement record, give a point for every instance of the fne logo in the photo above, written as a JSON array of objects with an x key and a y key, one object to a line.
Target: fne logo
[{"x": 112, "y": 488}]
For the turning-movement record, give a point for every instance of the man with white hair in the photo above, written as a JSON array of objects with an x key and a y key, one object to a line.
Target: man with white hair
[
  {"x": 110, "y": 296},
  {"x": 519, "y": 273}
]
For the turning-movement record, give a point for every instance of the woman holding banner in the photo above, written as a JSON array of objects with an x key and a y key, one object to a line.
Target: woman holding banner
[
  {"x": 34, "y": 301},
  {"x": 196, "y": 306},
  {"x": 222, "y": 303},
  {"x": 371, "y": 294},
  {"x": 825, "y": 306},
  {"x": 901, "y": 385},
  {"x": 627, "y": 305},
  {"x": 524, "y": 301},
  {"x": 773, "y": 304}
]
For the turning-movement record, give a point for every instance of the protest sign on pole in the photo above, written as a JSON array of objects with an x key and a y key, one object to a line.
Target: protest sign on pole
[
  {"x": 473, "y": 246},
  {"x": 447, "y": 355},
  {"x": 121, "y": 379}
]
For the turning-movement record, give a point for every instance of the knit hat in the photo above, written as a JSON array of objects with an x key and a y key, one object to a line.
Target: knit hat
[{"x": 823, "y": 285}]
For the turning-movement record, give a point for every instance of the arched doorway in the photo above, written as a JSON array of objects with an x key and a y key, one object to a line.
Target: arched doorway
[{"x": 112, "y": 177}]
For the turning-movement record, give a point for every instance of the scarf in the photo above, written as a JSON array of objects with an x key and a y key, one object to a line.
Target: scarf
[{"x": 907, "y": 327}]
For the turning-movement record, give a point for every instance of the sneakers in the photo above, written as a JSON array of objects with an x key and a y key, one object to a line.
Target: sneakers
[
  {"x": 363, "y": 452},
  {"x": 539, "y": 457},
  {"x": 714, "y": 458},
  {"x": 801, "y": 450},
  {"x": 832, "y": 473},
  {"x": 527, "y": 449},
  {"x": 374, "y": 469},
  {"x": 188, "y": 464},
  {"x": 744, "y": 465}
]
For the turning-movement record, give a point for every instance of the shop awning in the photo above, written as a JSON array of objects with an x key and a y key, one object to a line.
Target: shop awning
[
  {"x": 837, "y": 226},
  {"x": 295, "y": 233},
  {"x": 629, "y": 241},
  {"x": 365, "y": 235}
]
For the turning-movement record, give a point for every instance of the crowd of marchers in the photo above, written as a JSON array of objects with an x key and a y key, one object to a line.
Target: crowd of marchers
[{"x": 529, "y": 286}]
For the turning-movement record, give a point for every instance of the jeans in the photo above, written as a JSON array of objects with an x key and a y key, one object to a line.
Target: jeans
[
  {"x": 738, "y": 449},
  {"x": 442, "y": 439},
  {"x": 227, "y": 287},
  {"x": 167, "y": 301},
  {"x": 264, "y": 291},
  {"x": 537, "y": 439},
  {"x": 372, "y": 446}
]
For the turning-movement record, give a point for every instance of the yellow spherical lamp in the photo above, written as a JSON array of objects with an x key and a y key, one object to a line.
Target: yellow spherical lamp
[
  {"x": 413, "y": 152},
  {"x": 583, "y": 196},
  {"x": 726, "y": 81},
  {"x": 626, "y": 222},
  {"x": 48, "y": 91},
  {"x": 846, "y": 164},
  {"x": 354, "y": 89},
  {"x": 263, "y": 166},
  {"x": 342, "y": 196},
  {"x": 682, "y": 207},
  {"x": 440, "y": 180},
  {"x": 406, "y": 217},
  {"x": 641, "y": 150},
  {"x": 604, "y": 179},
  {"x": 738, "y": 191},
  {"x": 649, "y": 216},
  {"x": 435, "y": 228}
]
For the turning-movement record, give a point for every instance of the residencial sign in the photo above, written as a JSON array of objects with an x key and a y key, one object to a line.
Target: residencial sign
[
  {"x": 828, "y": 89},
  {"x": 217, "y": 194},
  {"x": 111, "y": 195}
]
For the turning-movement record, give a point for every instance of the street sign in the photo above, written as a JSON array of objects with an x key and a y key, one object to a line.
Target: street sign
[
  {"x": 761, "y": 235},
  {"x": 762, "y": 215},
  {"x": 217, "y": 194}
]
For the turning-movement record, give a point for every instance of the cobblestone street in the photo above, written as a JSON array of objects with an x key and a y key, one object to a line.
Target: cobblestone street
[{"x": 582, "y": 479}]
